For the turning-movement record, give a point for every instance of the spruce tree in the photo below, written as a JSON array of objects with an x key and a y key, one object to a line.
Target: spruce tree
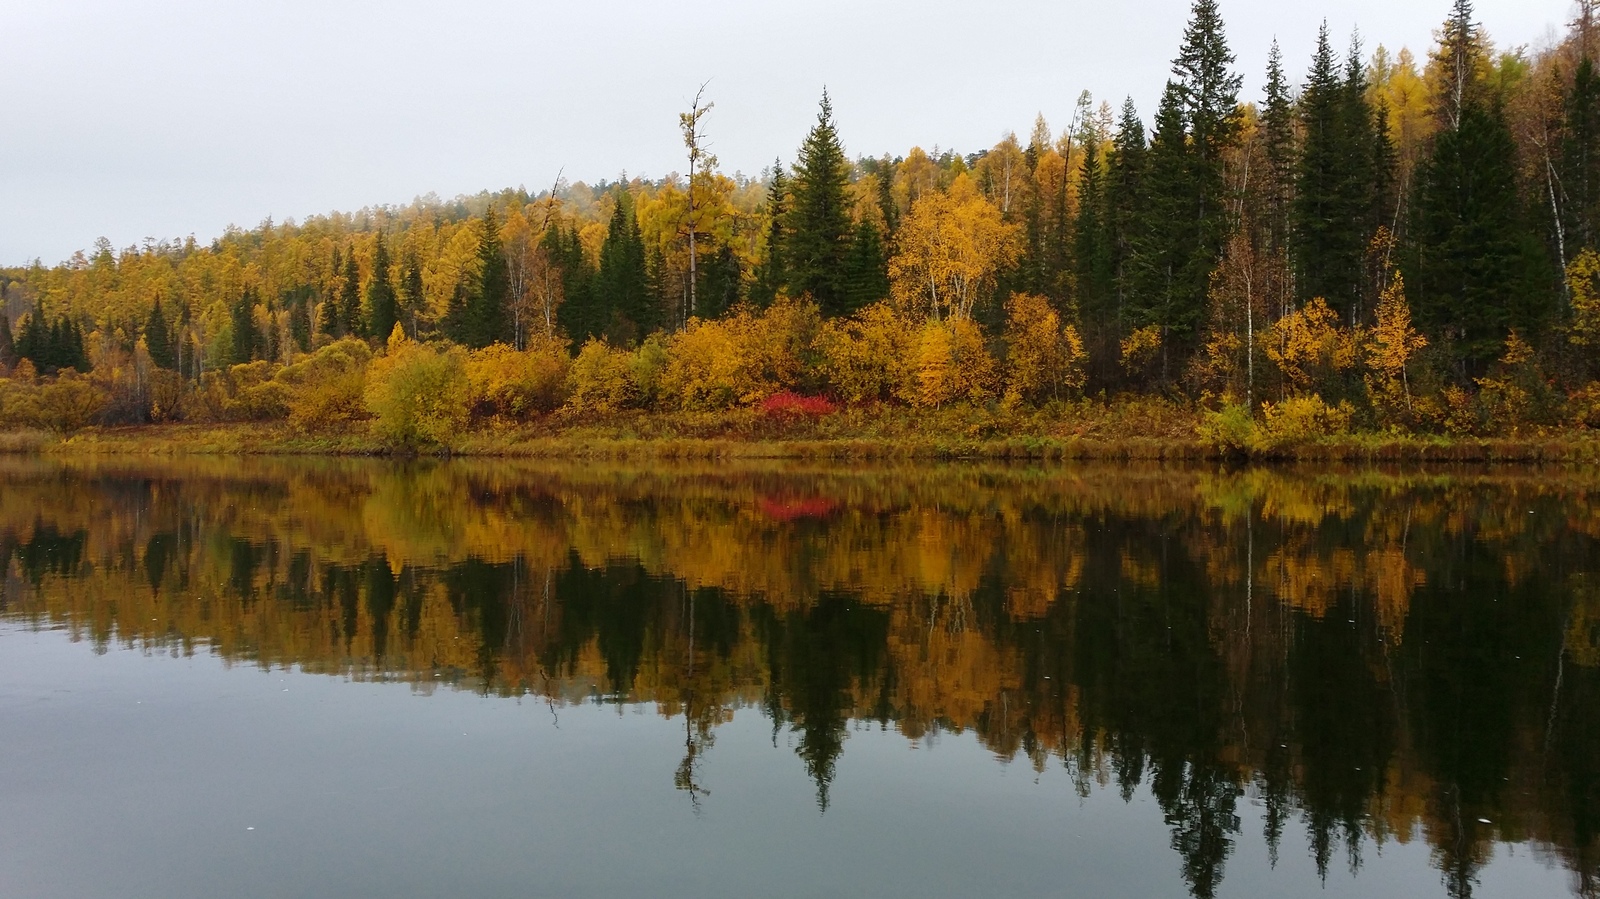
[
  {"x": 578, "y": 314},
  {"x": 246, "y": 337},
  {"x": 721, "y": 279},
  {"x": 623, "y": 283},
  {"x": 1125, "y": 207},
  {"x": 29, "y": 338},
  {"x": 866, "y": 269},
  {"x": 819, "y": 230},
  {"x": 1278, "y": 139},
  {"x": 8, "y": 349},
  {"x": 1167, "y": 295},
  {"x": 1092, "y": 250},
  {"x": 1470, "y": 254},
  {"x": 1329, "y": 247},
  {"x": 413, "y": 299},
  {"x": 773, "y": 274},
  {"x": 1580, "y": 176},
  {"x": 886, "y": 204},
  {"x": 487, "y": 316},
  {"x": 299, "y": 302},
  {"x": 158, "y": 338},
  {"x": 380, "y": 293},
  {"x": 350, "y": 318},
  {"x": 1186, "y": 216},
  {"x": 331, "y": 322}
]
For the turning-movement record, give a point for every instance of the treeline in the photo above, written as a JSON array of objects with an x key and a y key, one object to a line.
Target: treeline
[{"x": 1383, "y": 243}]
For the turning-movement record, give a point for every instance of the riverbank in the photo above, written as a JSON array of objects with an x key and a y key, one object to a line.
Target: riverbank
[{"x": 1140, "y": 436}]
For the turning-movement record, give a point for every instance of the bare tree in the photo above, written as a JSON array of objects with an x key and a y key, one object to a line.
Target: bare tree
[{"x": 694, "y": 136}]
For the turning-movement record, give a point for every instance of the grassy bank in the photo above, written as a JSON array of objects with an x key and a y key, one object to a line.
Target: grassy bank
[{"x": 1134, "y": 432}]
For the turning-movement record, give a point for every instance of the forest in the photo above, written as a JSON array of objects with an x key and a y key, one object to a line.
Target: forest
[{"x": 1380, "y": 243}]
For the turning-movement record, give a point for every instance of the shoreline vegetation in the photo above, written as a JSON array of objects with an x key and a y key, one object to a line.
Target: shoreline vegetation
[
  {"x": 1397, "y": 259},
  {"x": 740, "y": 437}
]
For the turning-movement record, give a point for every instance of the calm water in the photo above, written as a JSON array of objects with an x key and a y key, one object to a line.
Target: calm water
[{"x": 287, "y": 679}]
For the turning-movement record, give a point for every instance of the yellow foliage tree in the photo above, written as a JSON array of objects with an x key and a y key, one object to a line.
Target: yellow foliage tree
[
  {"x": 1308, "y": 345},
  {"x": 869, "y": 357},
  {"x": 418, "y": 393},
  {"x": 1043, "y": 358},
  {"x": 947, "y": 252},
  {"x": 1583, "y": 284},
  {"x": 597, "y": 381},
  {"x": 1392, "y": 345},
  {"x": 508, "y": 383},
  {"x": 953, "y": 363}
]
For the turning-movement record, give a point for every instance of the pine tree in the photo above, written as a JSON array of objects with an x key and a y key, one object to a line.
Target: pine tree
[
  {"x": 380, "y": 293},
  {"x": 158, "y": 338},
  {"x": 1125, "y": 200},
  {"x": 622, "y": 284},
  {"x": 350, "y": 318},
  {"x": 819, "y": 231},
  {"x": 866, "y": 269},
  {"x": 246, "y": 337}
]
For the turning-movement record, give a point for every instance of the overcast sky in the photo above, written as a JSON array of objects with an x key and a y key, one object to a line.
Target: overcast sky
[{"x": 140, "y": 119}]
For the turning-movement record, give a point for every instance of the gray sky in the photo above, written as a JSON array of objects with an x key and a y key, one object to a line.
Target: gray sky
[{"x": 135, "y": 119}]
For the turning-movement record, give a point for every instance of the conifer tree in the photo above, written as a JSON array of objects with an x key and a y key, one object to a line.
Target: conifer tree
[
  {"x": 380, "y": 293},
  {"x": 1328, "y": 244},
  {"x": 1125, "y": 196},
  {"x": 773, "y": 274},
  {"x": 1580, "y": 177},
  {"x": 622, "y": 284},
  {"x": 331, "y": 321},
  {"x": 158, "y": 338},
  {"x": 487, "y": 312},
  {"x": 1469, "y": 243},
  {"x": 721, "y": 279},
  {"x": 1092, "y": 252},
  {"x": 28, "y": 340},
  {"x": 578, "y": 314},
  {"x": 412, "y": 299},
  {"x": 886, "y": 204},
  {"x": 1187, "y": 219},
  {"x": 8, "y": 349},
  {"x": 818, "y": 226},
  {"x": 350, "y": 319},
  {"x": 246, "y": 337},
  {"x": 1278, "y": 139},
  {"x": 866, "y": 269},
  {"x": 299, "y": 302}
]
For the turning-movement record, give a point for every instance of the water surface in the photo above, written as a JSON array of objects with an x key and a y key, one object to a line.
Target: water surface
[{"x": 279, "y": 678}]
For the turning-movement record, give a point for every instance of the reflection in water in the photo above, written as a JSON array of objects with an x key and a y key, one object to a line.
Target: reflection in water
[{"x": 1373, "y": 657}]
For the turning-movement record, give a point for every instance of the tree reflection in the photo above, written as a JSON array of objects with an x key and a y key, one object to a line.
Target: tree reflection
[{"x": 1370, "y": 657}]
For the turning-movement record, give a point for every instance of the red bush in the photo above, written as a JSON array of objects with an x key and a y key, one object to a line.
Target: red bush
[{"x": 791, "y": 405}]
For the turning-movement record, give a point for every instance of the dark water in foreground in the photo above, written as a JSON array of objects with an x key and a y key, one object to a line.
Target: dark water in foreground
[{"x": 265, "y": 678}]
